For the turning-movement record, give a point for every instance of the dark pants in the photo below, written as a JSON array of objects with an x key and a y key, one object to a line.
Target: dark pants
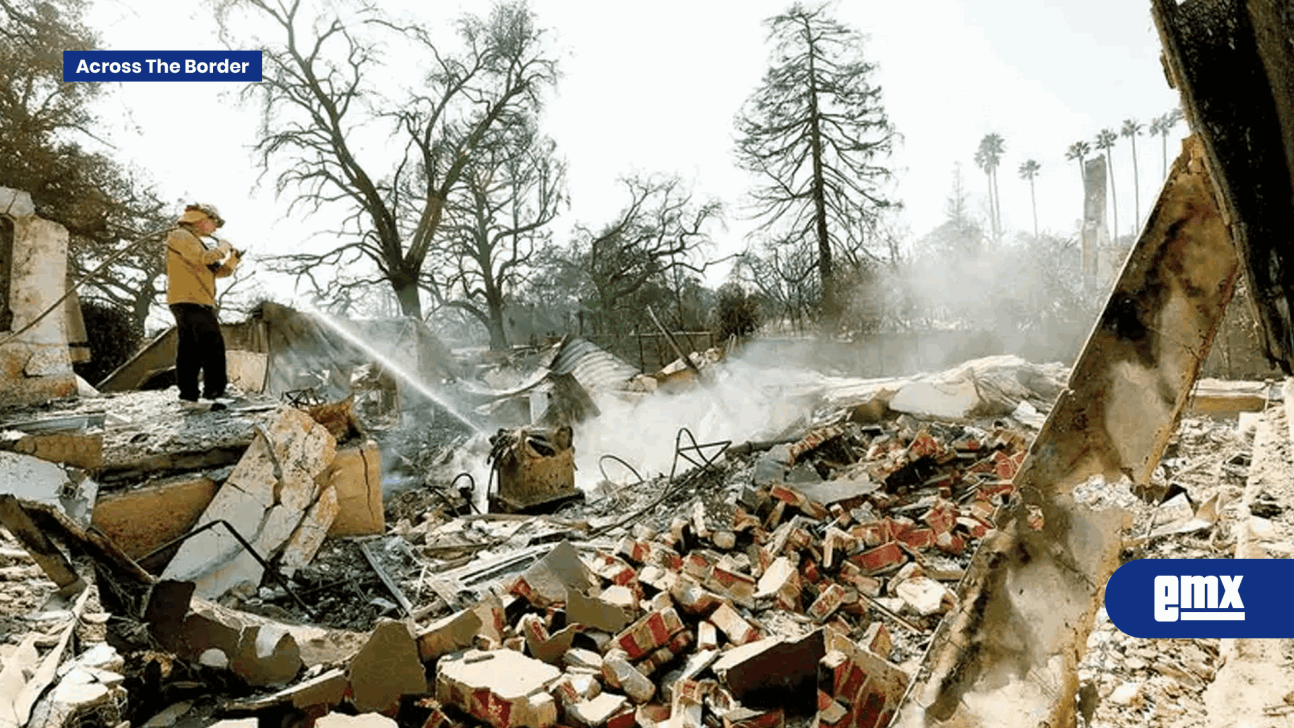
[{"x": 198, "y": 347}]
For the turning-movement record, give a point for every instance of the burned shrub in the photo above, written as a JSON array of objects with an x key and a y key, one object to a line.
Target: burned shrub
[{"x": 736, "y": 313}]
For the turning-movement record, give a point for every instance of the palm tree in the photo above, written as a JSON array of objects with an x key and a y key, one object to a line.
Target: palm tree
[
  {"x": 1157, "y": 129},
  {"x": 987, "y": 158},
  {"x": 1078, "y": 151},
  {"x": 1162, "y": 126},
  {"x": 1132, "y": 129},
  {"x": 1029, "y": 170},
  {"x": 1105, "y": 140}
]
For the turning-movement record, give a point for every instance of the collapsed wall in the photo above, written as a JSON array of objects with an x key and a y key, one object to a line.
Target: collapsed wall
[{"x": 35, "y": 365}]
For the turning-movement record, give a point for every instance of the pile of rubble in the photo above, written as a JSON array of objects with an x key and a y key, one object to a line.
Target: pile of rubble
[{"x": 783, "y": 581}]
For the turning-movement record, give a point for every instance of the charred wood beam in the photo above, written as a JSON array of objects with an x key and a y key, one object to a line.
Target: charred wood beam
[
  {"x": 1009, "y": 653},
  {"x": 1233, "y": 64}
]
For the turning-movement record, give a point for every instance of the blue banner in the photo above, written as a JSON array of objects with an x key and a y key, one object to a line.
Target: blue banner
[
  {"x": 1202, "y": 598},
  {"x": 239, "y": 66}
]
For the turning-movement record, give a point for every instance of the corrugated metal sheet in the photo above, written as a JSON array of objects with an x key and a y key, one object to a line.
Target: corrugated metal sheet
[{"x": 594, "y": 368}]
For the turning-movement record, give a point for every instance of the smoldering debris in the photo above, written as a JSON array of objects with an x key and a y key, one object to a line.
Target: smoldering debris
[{"x": 824, "y": 547}]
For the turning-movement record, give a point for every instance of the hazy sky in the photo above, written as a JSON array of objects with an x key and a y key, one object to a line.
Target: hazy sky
[{"x": 653, "y": 87}]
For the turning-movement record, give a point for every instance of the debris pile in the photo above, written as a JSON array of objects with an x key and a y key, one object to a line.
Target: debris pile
[{"x": 772, "y": 582}]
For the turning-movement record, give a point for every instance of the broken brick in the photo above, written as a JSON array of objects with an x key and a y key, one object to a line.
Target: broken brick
[
  {"x": 832, "y": 715},
  {"x": 851, "y": 574},
  {"x": 974, "y": 527},
  {"x": 386, "y": 668},
  {"x": 692, "y": 597},
  {"x": 657, "y": 577},
  {"x": 503, "y": 688},
  {"x": 835, "y": 545},
  {"x": 678, "y": 645},
  {"x": 877, "y": 639},
  {"x": 879, "y": 559},
  {"x": 922, "y": 595},
  {"x": 873, "y": 533},
  {"x": 950, "y": 543},
  {"x": 828, "y": 601},
  {"x": 699, "y": 525},
  {"x": 707, "y": 635},
  {"x": 649, "y": 632},
  {"x": 543, "y": 645},
  {"x": 448, "y": 634},
  {"x": 580, "y": 658},
  {"x": 686, "y": 707},
  {"x": 621, "y": 675},
  {"x": 782, "y": 581},
  {"x": 732, "y": 624},
  {"x": 923, "y": 445},
  {"x": 809, "y": 569},
  {"x": 613, "y": 570},
  {"x": 546, "y": 581},
  {"x": 941, "y": 517},
  {"x": 918, "y": 538},
  {"x": 597, "y": 712},
  {"x": 652, "y": 715},
  {"x": 744, "y": 521},
  {"x": 699, "y": 563},
  {"x": 728, "y": 581},
  {"x": 874, "y": 687},
  {"x": 812, "y": 441},
  {"x": 573, "y": 688},
  {"x": 596, "y": 613}
]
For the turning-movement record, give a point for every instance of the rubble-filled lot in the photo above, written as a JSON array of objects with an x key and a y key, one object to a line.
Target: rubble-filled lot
[{"x": 791, "y": 580}]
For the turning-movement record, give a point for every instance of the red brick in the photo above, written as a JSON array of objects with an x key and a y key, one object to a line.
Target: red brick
[
  {"x": 1005, "y": 466},
  {"x": 786, "y": 494},
  {"x": 732, "y": 624},
  {"x": 919, "y": 538},
  {"x": 828, "y": 601},
  {"x": 872, "y": 534},
  {"x": 743, "y": 521},
  {"x": 941, "y": 517},
  {"x": 699, "y": 563},
  {"x": 923, "y": 445},
  {"x": 823, "y": 700},
  {"x": 678, "y": 645},
  {"x": 879, "y": 559},
  {"x": 877, "y": 639},
  {"x": 649, "y": 633},
  {"x": 626, "y": 718},
  {"x": 973, "y": 527},
  {"x": 869, "y": 715},
  {"x": 950, "y": 543},
  {"x": 809, "y": 570},
  {"x": 733, "y": 584}
]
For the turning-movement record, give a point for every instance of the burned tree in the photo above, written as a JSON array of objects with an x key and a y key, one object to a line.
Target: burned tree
[
  {"x": 659, "y": 231},
  {"x": 816, "y": 135},
  {"x": 513, "y": 190},
  {"x": 325, "y": 88}
]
